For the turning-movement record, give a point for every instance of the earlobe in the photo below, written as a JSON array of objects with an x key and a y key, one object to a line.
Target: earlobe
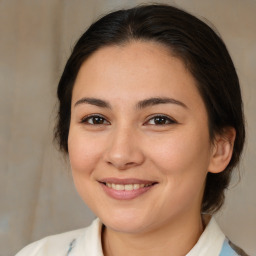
[{"x": 222, "y": 150}]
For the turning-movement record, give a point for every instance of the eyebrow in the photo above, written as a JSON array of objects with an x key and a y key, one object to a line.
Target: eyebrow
[
  {"x": 140, "y": 105},
  {"x": 158, "y": 100},
  {"x": 93, "y": 101}
]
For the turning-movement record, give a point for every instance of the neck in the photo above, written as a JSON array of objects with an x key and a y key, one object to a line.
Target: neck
[{"x": 176, "y": 238}]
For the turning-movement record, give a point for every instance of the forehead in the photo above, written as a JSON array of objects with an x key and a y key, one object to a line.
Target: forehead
[{"x": 134, "y": 71}]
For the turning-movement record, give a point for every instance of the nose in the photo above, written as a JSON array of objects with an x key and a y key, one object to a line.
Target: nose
[{"x": 123, "y": 150}]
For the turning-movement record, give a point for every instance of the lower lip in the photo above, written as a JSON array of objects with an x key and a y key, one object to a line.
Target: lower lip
[{"x": 125, "y": 194}]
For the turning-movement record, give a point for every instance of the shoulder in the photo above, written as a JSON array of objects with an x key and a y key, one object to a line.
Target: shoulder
[
  {"x": 56, "y": 244},
  {"x": 60, "y": 244},
  {"x": 213, "y": 242},
  {"x": 230, "y": 249}
]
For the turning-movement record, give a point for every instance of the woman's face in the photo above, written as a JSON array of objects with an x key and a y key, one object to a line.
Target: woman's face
[{"x": 139, "y": 144}]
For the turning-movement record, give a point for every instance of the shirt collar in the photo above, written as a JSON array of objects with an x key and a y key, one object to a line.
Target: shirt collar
[{"x": 209, "y": 243}]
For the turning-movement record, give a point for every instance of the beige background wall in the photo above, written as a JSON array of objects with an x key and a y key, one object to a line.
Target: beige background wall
[{"x": 36, "y": 191}]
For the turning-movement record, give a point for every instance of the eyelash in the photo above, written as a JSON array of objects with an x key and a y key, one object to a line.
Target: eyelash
[
  {"x": 103, "y": 120},
  {"x": 86, "y": 119},
  {"x": 164, "y": 118}
]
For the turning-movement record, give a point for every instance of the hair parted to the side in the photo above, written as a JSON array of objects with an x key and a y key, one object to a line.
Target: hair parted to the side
[{"x": 189, "y": 39}]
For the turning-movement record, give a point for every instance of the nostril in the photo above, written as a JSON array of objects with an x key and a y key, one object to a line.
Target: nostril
[
  {"x": 130, "y": 163},
  {"x": 121, "y": 165}
]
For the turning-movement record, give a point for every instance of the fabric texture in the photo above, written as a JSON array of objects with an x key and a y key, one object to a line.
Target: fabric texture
[{"x": 87, "y": 241}]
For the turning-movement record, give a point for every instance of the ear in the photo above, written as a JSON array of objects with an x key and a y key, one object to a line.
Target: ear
[{"x": 222, "y": 150}]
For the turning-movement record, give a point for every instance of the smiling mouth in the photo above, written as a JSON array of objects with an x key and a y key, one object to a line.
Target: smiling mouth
[{"x": 128, "y": 187}]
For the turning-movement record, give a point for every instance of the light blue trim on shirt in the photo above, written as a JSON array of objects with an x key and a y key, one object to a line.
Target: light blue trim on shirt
[
  {"x": 227, "y": 250},
  {"x": 71, "y": 246}
]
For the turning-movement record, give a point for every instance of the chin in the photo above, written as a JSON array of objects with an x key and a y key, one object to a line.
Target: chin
[{"x": 125, "y": 223}]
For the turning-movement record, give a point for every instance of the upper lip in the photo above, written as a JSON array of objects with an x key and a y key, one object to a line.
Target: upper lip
[{"x": 126, "y": 181}]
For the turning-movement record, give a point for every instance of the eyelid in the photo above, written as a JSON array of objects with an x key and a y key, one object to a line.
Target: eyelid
[
  {"x": 171, "y": 119},
  {"x": 87, "y": 117}
]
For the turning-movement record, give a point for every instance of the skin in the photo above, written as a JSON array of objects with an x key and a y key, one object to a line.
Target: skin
[{"x": 128, "y": 143}]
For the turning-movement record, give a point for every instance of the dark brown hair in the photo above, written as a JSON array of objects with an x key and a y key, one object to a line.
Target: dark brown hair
[{"x": 189, "y": 39}]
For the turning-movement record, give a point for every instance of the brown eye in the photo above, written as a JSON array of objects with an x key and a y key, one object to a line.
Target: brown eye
[
  {"x": 95, "y": 120},
  {"x": 160, "y": 120}
]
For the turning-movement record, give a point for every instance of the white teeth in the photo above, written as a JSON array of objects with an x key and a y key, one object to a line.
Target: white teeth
[
  {"x": 136, "y": 186},
  {"x": 127, "y": 187},
  {"x": 119, "y": 187}
]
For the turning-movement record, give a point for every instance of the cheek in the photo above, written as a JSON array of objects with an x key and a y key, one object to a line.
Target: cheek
[
  {"x": 183, "y": 165},
  {"x": 84, "y": 158},
  {"x": 182, "y": 158},
  {"x": 83, "y": 154}
]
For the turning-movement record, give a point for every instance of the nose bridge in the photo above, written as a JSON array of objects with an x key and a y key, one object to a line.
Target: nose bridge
[{"x": 124, "y": 150}]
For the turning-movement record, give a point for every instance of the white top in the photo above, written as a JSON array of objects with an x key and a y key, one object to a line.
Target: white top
[{"x": 87, "y": 242}]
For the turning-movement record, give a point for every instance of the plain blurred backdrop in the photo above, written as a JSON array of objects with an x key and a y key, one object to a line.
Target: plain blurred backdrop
[{"x": 36, "y": 191}]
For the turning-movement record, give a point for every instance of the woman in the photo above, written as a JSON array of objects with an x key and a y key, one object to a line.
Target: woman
[{"x": 151, "y": 118}]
